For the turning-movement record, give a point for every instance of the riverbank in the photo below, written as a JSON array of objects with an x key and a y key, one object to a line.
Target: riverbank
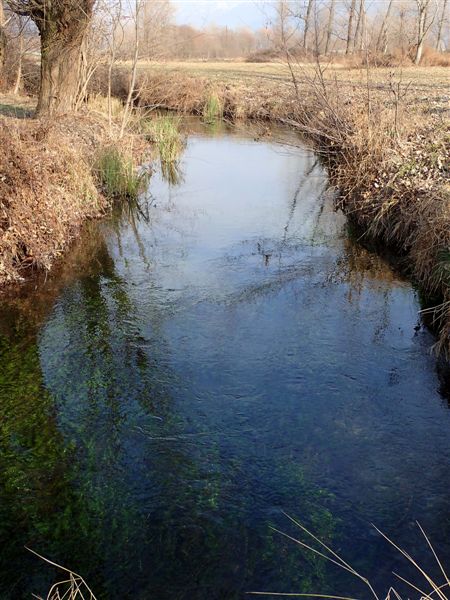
[
  {"x": 51, "y": 183},
  {"x": 384, "y": 135}
]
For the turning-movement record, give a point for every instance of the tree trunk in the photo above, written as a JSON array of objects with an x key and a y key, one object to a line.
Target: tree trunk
[
  {"x": 60, "y": 66},
  {"x": 422, "y": 6},
  {"x": 62, "y": 26},
  {"x": 18, "y": 81},
  {"x": 358, "y": 30},
  {"x": 382, "y": 36},
  {"x": 131, "y": 90},
  {"x": 441, "y": 25},
  {"x": 350, "y": 27},
  {"x": 330, "y": 26},
  {"x": 363, "y": 32},
  {"x": 307, "y": 22}
]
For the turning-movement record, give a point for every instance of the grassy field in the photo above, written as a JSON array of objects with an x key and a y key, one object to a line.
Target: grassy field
[
  {"x": 432, "y": 79},
  {"x": 425, "y": 84}
]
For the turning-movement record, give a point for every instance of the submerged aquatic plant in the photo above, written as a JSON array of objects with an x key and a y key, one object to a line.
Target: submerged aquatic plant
[
  {"x": 165, "y": 133},
  {"x": 117, "y": 174},
  {"x": 172, "y": 173},
  {"x": 213, "y": 108}
]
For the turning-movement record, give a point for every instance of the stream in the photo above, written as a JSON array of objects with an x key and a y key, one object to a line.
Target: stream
[{"x": 206, "y": 364}]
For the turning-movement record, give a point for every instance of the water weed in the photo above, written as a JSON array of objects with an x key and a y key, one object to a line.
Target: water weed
[
  {"x": 117, "y": 175},
  {"x": 165, "y": 133},
  {"x": 213, "y": 108}
]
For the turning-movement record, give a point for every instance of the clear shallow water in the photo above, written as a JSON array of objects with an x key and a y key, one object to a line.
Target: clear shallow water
[{"x": 184, "y": 380}]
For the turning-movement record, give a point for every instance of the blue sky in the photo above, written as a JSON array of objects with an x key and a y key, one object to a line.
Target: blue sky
[{"x": 231, "y": 13}]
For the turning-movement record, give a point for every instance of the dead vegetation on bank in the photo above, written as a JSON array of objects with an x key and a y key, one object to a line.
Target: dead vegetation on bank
[{"x": 50, "y": 185}]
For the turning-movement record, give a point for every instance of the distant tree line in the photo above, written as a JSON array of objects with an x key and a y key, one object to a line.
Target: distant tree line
[
  {"x": 72, "y": 37},
  {"x": 325, "y": 27}
]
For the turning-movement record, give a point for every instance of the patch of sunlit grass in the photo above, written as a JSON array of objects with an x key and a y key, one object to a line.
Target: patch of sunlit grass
[
  {"x": 213, "y": 108},
  {"x": 99, "y": 103}
]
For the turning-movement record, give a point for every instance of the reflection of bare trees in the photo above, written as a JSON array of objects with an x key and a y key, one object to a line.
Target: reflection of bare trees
[
  {"x": 359, "y": 270},
  {"x": 300, "y": 186}
]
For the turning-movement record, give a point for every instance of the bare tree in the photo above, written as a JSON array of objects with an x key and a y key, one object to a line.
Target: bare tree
[
  {"x": 138, "y": 6},
  {"x": 114, "y": 41},
  {"x": 402, "y": 28},
  {"x": 155, "y": 25},
  {"x": 62, "y": 26},
  {"x": 423, "y": 25},
  {"x": 309, "y": 8},
  {"x": 330, "y": 26},
  {"x": 358, "y": 38},
  {"x": 441, "y": 25},
  {"x": 20, "y": 53},
  {"x": 351, "y": 17},
  {"x": 382, "y": 39}
]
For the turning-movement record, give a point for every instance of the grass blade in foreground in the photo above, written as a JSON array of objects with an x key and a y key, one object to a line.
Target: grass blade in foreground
[
  {"x": 73, "y": 588},
  {"x": 436, "y": 590}
]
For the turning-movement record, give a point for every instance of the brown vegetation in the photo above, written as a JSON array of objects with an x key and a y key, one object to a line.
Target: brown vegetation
[
  {"x": 48, "y": 187},
  {"x": 46, "y": 192}
]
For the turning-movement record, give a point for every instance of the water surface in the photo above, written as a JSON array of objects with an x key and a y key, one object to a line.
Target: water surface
[{"x": 202, "y": 364}]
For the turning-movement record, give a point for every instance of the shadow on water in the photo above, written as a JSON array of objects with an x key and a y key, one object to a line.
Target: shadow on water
[{"x": 201, "y": 362}]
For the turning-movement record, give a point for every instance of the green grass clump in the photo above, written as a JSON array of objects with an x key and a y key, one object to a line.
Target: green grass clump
[
  {"x": 117, "y": 175},
  {"x": 165, "y": 133},
  {"x": 212, "y": 109}
]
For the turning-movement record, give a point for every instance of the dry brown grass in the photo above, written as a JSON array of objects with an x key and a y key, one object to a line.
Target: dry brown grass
[
  {"x": 71, "y": 587},
  {"x": 47, "y": 188},
  {"x": 46, "y": 192}
]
